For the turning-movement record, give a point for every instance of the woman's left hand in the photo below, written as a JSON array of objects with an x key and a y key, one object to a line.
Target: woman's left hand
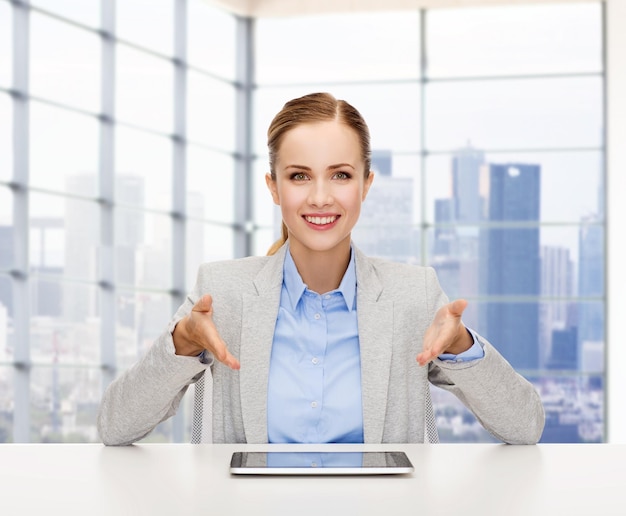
[{"x": 446, "y": 334}]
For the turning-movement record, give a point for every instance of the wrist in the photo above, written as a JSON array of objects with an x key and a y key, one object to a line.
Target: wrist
[{"x": 462, "y": 344}]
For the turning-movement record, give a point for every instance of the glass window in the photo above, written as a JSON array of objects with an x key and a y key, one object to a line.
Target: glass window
[
  {"x": 144, "y": 89},
  {"x": 514, "y": 40},
  {"x": 266, "y": 213},
  {"x": 143, "y": 168},
  {"x": 65, "y": 63},
  {"x": 206, "y": 243},
  {"x": 469, "y": 181},
  {"x": 392, "y": 112},
  {"x": 82, "y": 11},
  {"x": 338, "y": 47},
  {"x": 210, "y": 112},
  {"x": 143, "y": 249},
  {"x": 6, "y": 52},
  {"x": 210, "y": 185},
  {"x": 6, "y": 229},
  {"x": 515, "y": 114},
  {"x": 149, "y": 23},
  {"x": 212, "y": 39},
  {"x": 64, "y": 403},
  {"x": 141, "y": 317},
  {"x": 63, "y": 150},
  {"x": 7, "y": 394},
  {"x": 6, "y": 138}
]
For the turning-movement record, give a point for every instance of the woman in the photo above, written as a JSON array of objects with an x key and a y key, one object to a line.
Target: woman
[{"x": 317, "y": 342}]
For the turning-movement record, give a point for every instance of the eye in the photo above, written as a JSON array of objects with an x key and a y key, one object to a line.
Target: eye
[
  {"x": 298, "y": 176},
  {"x": 341, "y": 175}
]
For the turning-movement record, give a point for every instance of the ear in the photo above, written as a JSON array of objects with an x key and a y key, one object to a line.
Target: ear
[
  {"x": 271, "y": 185},
  {"x": 366, "y": 186}
]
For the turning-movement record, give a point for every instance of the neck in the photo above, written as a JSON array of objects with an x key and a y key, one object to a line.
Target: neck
[{"x": 322, "y": 271}]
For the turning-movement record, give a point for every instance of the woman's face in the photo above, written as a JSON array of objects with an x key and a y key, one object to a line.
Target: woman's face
[{"x": 320, "y": 184}]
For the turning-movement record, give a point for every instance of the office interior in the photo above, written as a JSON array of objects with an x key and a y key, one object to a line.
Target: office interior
[{"x": 132, "y": 149}]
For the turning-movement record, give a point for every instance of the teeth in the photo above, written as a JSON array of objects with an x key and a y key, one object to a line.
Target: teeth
[{"x": 321, "y": 220}]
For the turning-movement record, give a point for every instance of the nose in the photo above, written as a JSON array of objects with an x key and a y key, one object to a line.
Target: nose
[{"x": 320, "y": 194}]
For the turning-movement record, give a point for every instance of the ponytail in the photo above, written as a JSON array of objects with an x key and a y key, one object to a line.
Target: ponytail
[{"x": 284, "y": 235}]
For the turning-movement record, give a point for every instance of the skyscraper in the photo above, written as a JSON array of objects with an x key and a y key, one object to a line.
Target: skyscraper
[{"x": 511, "y": 265}]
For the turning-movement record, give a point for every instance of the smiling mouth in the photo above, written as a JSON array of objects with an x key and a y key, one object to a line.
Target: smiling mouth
[{"x": 321, "y": 221}]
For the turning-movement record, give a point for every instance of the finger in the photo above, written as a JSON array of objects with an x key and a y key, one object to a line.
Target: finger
[
  {"x": 204, "y": 304},
  {"x": 457, "y": 307},
  {"x": 225, "y": 357}
]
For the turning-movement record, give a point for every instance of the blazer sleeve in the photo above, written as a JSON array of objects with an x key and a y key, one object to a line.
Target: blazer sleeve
[
  {"x": 151, "y": 390},
  {"x": 504, "y": 402}
]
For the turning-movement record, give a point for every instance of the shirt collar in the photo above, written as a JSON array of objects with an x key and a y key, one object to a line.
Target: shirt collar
[{"x": 296, "y": 287}]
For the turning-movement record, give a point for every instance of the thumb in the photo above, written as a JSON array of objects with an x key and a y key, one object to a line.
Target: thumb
[
  {"x": 204, "y": 304},
  {"x": 456, "y": 308}
]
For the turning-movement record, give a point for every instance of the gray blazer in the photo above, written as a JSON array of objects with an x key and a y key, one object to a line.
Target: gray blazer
[{"x": 395, "y": 305}]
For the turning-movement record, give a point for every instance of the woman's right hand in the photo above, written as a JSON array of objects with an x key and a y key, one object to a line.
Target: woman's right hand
[{"x": 196, "y": 332}]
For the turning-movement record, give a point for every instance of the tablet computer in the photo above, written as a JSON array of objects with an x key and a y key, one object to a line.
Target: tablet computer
[{"x": 320, "y": 463}]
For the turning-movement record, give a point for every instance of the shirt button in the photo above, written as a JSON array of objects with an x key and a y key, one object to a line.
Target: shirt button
[
  {"x": 314, "y": 360},
  {"x": 317, "y": 316},
  {"x": 314, "y": 464},
  {"x": 327, "y": 296},
  {"x": 313, "y": 404}
]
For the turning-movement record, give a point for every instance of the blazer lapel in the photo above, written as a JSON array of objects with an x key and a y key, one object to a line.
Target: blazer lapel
[
  {"x": 375, "y": 320},
  {"x": 260, "y": 310}
]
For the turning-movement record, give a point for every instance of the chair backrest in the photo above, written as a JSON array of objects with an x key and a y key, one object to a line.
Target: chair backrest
[{"x": 202, "y": 429}]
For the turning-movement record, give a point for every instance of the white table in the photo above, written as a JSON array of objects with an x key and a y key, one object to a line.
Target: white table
[{"x": 173, "y": 479}]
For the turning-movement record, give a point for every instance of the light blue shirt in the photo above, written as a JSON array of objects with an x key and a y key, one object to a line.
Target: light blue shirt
[{"x": 314, "y": 388}]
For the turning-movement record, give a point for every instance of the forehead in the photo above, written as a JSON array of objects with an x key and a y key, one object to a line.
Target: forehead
[{"x": 332, "y": 138}]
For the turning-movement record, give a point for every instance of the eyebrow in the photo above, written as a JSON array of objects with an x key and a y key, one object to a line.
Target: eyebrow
[{"x": 331, "y": 167}]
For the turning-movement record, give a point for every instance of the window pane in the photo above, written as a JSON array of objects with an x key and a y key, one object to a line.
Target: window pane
[
  {"x": 514, "y": 40},
  {"x": 212, "y": 39},
  {"x": 64, "y": 404},
  {"x": 6, "y": 229},
  {"x": 65, "y": 322},
  {"x": 263, "y": 239},
  {"x": 6, "y": 138},
  {"x": 515, "y": 114},
  {"x": 65, "y": 63},
  {"x": 461, "y": 187},
  {"x": 143, "y": 167},
  {"x": 64, "y": 237},
  {"x": 141, "y": 317},
  {"x": 210, "y": 112},
  {"x": 144, "y": 94},
  {"x": 7, "y": 400},
  {"x": 149, "y": 23},
  {"x": 210, "y": 185},
  {"x": 6, "y": 53},
  {"x": 143, "y": 249},
  {"x": 63, "y": 150},
  {"x": 338, "y": 47},
  {"x": 206, "y": 243},
  {"x": 83, "y": 11},
  {"x": 392, "y": 112}
]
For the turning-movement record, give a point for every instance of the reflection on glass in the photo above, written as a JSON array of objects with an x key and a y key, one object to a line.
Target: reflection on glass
[
  {"x": 392, "y": 112},
  {"x": 64, "y": 403},
  {"x": 149, "y": 23},
  {"x": 143, "y": 249},
  {"x": 356, "y": 46},
  {"x": 211, "y": 112},
  {"x": 7, "y": 343},
  {"x": 211, "y": 43},
  {"x": 515, "y": 114},
  {"x": 464, "y": 178},
  {"x": 6, "y": 38},
  {"x": 65, "y": 63},
  {"x": 210, "y": 185},
  {"x": 62, "y": 237},
  {"x": 206, "y": 243},
  {"x": 63, "y": 152},
  {"x": 514, "y": 40},
  {"x": 7, "y": 397},
  {"x": 143, "y": 168},
  {"x": 143, "y": 93},
  {"x": 82, "y": 11}
]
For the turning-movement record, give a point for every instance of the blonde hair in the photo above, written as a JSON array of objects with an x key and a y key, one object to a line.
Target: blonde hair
[{"x": 315, "y": 107}]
